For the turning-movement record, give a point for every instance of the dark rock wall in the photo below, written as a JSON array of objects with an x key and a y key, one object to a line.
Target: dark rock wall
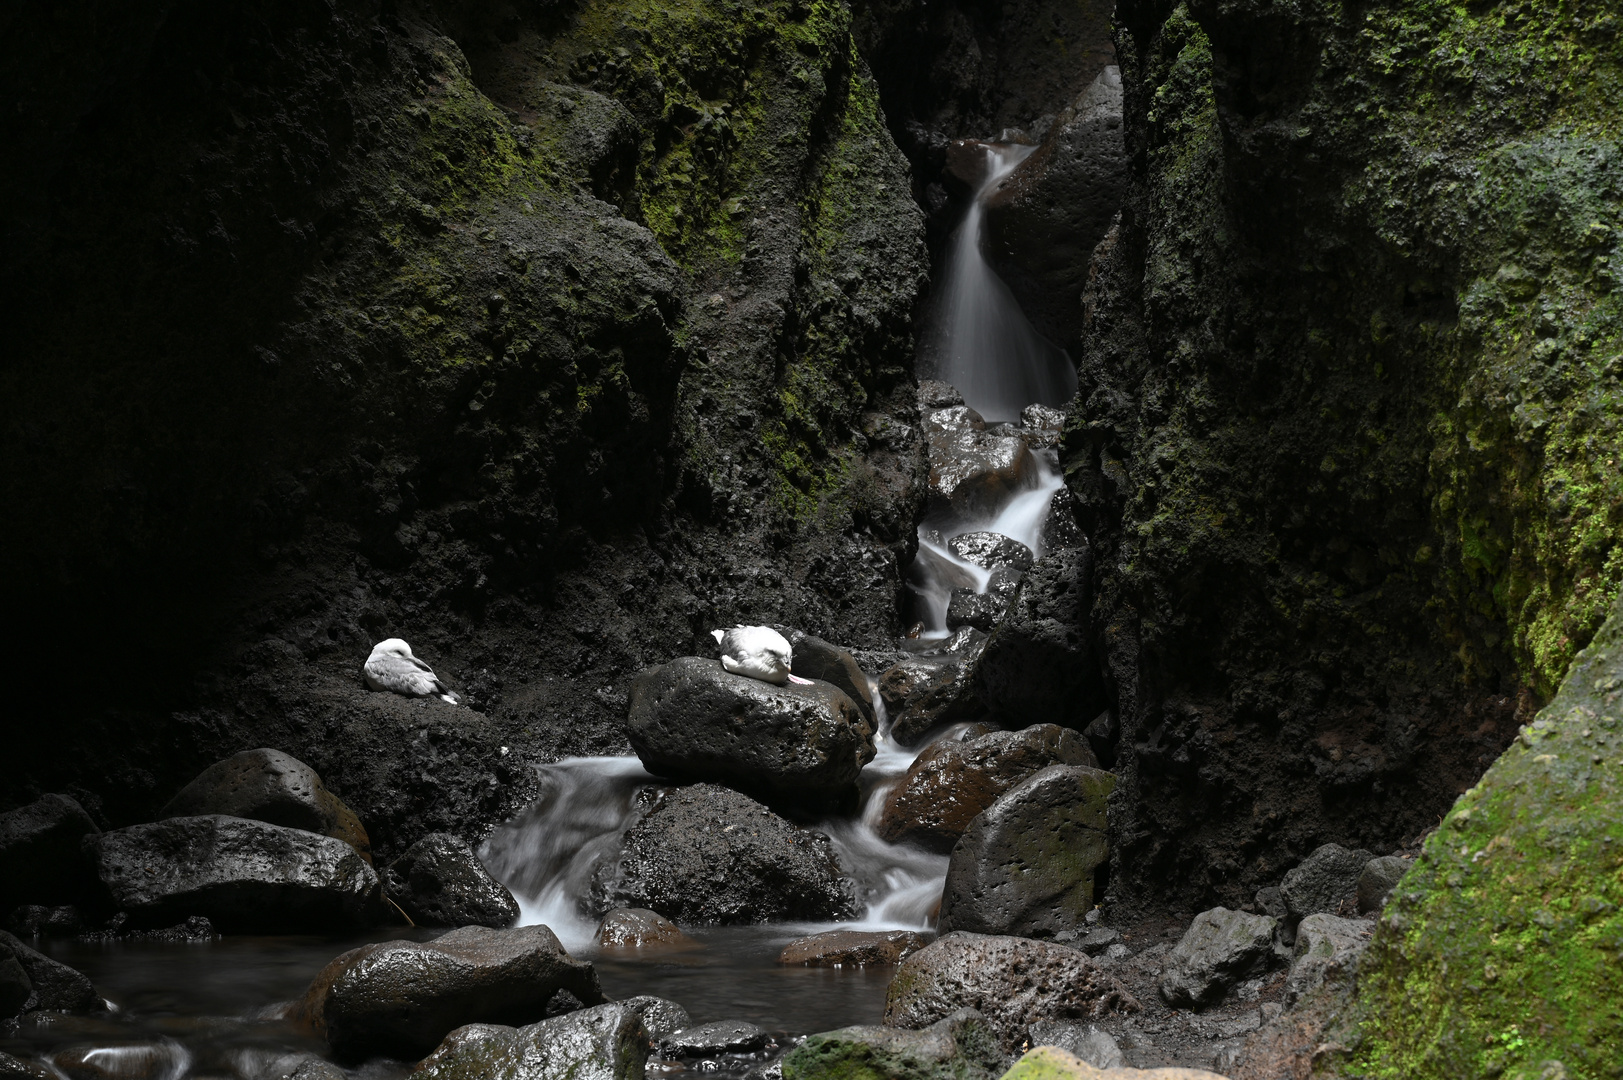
[
  {"x": 544, "y": 336},
  {"x": 1348, "y": 435}
]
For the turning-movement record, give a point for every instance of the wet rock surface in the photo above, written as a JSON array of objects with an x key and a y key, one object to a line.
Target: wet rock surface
[
  {"x": 795, "y": 745},
  {"x": 1026, "y": 864},
  {"x": 607, "y": 1042},
  {"x": 960, "y": 1046},
  {"x": 268, "y": 785},
  {"x": 1220, "y": 948},
  {"x": 815, "y": 658},
  {"x": 659, "y": 1016},
  {"x": 706, "y": 854},
  {"x": 35, "y": 981},
  {"x": 951, "y": 782},
  {"x": 989, "y": 550},
  {"x": 853, "y": 948},
  {"x": 401, "y": 998},
  {"x": 714, "y": 1039},
  {"x": 41, "y": 859},
  {"x": 1039, "y": 664},
  {"x": 242, "y": 875},
  {"x": 924, "y": 693},
  {"x": 973, "y": 473},
  {"x": 638, "y": 928},
  {"x": 1323, "y": 881},
  {"x": 439, "y": 881},
  {"x": 1014, "y": 982}
]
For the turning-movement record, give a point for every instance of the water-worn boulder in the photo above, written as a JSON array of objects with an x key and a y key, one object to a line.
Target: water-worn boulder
[
  {"x": 1025, "y": 865},
  {"x": 659, "y": 1016},
  {"x": 1053, "y": 1063},
  {"x": 951, "y": 782},
  {"x": 636, "y": 928},
  {"x": 268, "y": 785},
  {"x": 794, "y": 745},
  {"x": 52, "y": 985},
  {"x": 815, "y": 658},
  {"x": 853, "y": 948},
  {"x": 714, "y": 1039},
  {"x": 14, "y": 1068},
  {"x": 982, "y": 610},
  {"x": 707, "y": 854},
  {"x": 1377, "y": 880},
  {"x": 607, "y": 1042},
  {"x": 41, "y": 857},
  {"x": 1014, "y": 982},
  {"x": 1038, "y": 665},
  {"x": 1327, "y": 949},
  {"x": 401, "y": 998},
  {"x": 960, "y": 1046},
  {"x": 923, "y": 693},
  {"x": 990, "y": 550},
  {"x": 439, "y": 881},
  {"x": 145, "y": 1059},
  {"x": 1323, "y": 881},
  {"x": 1220, "y": 948},
  {"x": 974, "y": 472},
  {"x": 242, "y": 875},
  {"x": 1087, "y": 1041}
]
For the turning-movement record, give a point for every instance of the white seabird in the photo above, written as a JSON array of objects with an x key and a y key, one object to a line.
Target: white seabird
[
  {"x": 759, "y": 652},
  {"x": 392, "y": 667}
]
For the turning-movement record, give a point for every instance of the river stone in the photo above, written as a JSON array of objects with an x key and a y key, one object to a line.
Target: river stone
[
  {"x": 961, "y": 1046},
  {"x": 659, "y": 1016},
  {"x": 56, "y": 987},
  {"x": 42, "y": 860},
  {"x": 934, "y": 394},
  {"x": 1053, "y": 1063},
  {"x": 982, "y": 610},
  {"x": 989, "y": 550},
  {"x": 14, "y": 1068},
  {"x": 1220, "y": 948},
  {"x": 1377, "y": 880},
  {"x": 1038, "y": 665},
  {"x": 244, "y": 876},
  {"x": 974, "y": 473},
  {"x": 1014, "y": 982},
  {"x": 637, "y": 927},
  {"x": 800, "y": 746},
  {"x": 1086, "y": 1041},
  {"x": 15, "y": 985},
  {"x": 439, "y": 881},
  {"x": 1327, "y": 950},
  {"x": 1322, "y": 881},
  {"x": 714, "y": 1039},
  {"x": 400, "y": 998},
  {"x": 853, "y": 948},
  {"x": 815, "y": 658},
  {"x": 1025, "y": 865},
  {"x": 951, "y": 782},
  {"x": 607, "y": 1042},
  {"x": 268, "y": 785},
  {"x": 706, "y": 854},
  {"x": 921, "y": 694}
]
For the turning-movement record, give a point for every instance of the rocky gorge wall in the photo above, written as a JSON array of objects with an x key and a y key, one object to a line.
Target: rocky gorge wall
[
  {"x": 1347, "y": 440},
  {"x": 546, "y": 337}
]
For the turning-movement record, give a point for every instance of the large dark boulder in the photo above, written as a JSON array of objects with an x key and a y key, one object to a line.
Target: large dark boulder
[
  {"x": 1323, "y": 882},
  {"x": 245, "y": 876},
  {"x": 815, "y": 658},
  {"x": 53, "y": 985},
  {"x": 951, "y": 782},
  {"x": 401, "y": 998},
  {"x": 923, "y": 693},
  {"x": 706, "y": 854},
  {"x": 268, "y": 785},
  {"x": 1220, "y": 948},
  {"x": 974, "y": 472},
  {"x": 1014, "y": 982},
  {"x": 439, "y": 881},
  {"x": 794, "y": 746},
  {"x": 1026, "y": 865},
  {"x": 1038, "y": 665},
  {"x": 961, "y": 1046},
  {"x": 41, "y": 858},
  {"x": 606, "y": 1042}
]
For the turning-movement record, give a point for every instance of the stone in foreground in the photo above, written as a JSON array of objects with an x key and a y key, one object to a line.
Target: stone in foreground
[
  {"x": 1052, "y": 1063},
  {"x": 1323, "y": 881},
  {"x": 922, "y": 694},
  {"x": 989, "y": 550},
  {"x": 268, "y": 785},
  {"x": 243, "y": 876},
  {"x": 793, "y": 745},
  {"x": 400, "y": 998},
  {"x": 961, "y": 1046},
  {"x": 950, "y": 783},
  {"x": 1014, "y": 982},
  {"x": 815, "y": 658},
  {"x": 1327, "y": 949},
  {"x": 1220, "y": 948},
  {"x": 853, "y": 948},
  {"x": 1026, "y": 864},
  {"x": 705, "y": 854},
  {"x": 46, "y": 984},
  {"x": 41, "y": 856},
  {"x": 714, "y": 1039},
  {"x": 635, "y": 928},
  {"x": 607, "y": 1042},
  {"x": 660, "y": 1016},
  {"x": 439, "y": 881},
  {"x": 1087, "y": 1041}
]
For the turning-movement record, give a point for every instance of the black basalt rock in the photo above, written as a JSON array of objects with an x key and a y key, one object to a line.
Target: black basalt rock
[{"x": 439, "y": 881}]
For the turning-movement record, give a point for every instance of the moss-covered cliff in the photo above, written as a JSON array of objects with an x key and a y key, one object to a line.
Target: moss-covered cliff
[
  {"x": 1349, "y": 438},
  {"x": 545, "y": 337}
]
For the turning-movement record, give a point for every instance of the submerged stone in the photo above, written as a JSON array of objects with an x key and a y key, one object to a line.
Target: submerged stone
[{"x": 638, "y": 928}]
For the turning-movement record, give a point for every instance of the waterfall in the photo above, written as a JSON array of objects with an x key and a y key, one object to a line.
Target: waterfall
[{"x": 980, "y": 341}]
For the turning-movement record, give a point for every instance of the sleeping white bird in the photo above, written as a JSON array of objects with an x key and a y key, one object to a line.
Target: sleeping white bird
[
  {"x": 759, "y": 652},
  {"x": 392, "y": 667}
]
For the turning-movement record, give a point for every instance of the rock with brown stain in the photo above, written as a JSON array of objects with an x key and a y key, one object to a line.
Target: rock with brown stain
[
  {"x": 636, "y": 928},
  {"x": 853, "y": 948}
]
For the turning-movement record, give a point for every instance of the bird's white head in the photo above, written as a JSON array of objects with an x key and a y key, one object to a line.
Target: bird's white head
[{"x": 391, "y": 647}]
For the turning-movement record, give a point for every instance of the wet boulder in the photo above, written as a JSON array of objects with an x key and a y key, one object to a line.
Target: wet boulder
[
  {"x": 982, "y": 610},
  {"x": 606, "y": 1042},
  {"x": 14, "y": 1068},
  {"x": 714, "y": 1039},
  {"x": 1026, "y": 864},
  {"x": 1038, "y": 665},
  {"x": 439, "y": 881},
  {"x": 1377, "y": 880},
  {"x": 268, "y": 785},
  {"x": 15, "y": 985},
  {"x": 1220, "y": 948},
  {"x": 1087, "y": 1041},
  {"x": 989, "y": 550},
  {"x": 974, "y": 472},
  {"x": 706, "y": 854},
  {"x": 659, "y": 1016},
  {"x": 243, "y": 876},
  {"x": 638, "y": 927},
  {"x": 1326, "y": 952},
  {"x": 793, "y": 745},
  {"x": 1041, "y": 425},
  {"x": 853, "y": 948},
  {"x": 401, "y": 998},
  {"x": 817, "y": 659},
  {"x": 53, "y": 986},
  {"x": 935, "y": 394},
  {"x": 42, "y": 860},
  {"x": 951, "y": 782},
  {"x": 1323, "y": 881},
  {"x": 961, "y": 1046},
  {"x": 1014, "y": 982},
  {"x": 923, "y": 693}
]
